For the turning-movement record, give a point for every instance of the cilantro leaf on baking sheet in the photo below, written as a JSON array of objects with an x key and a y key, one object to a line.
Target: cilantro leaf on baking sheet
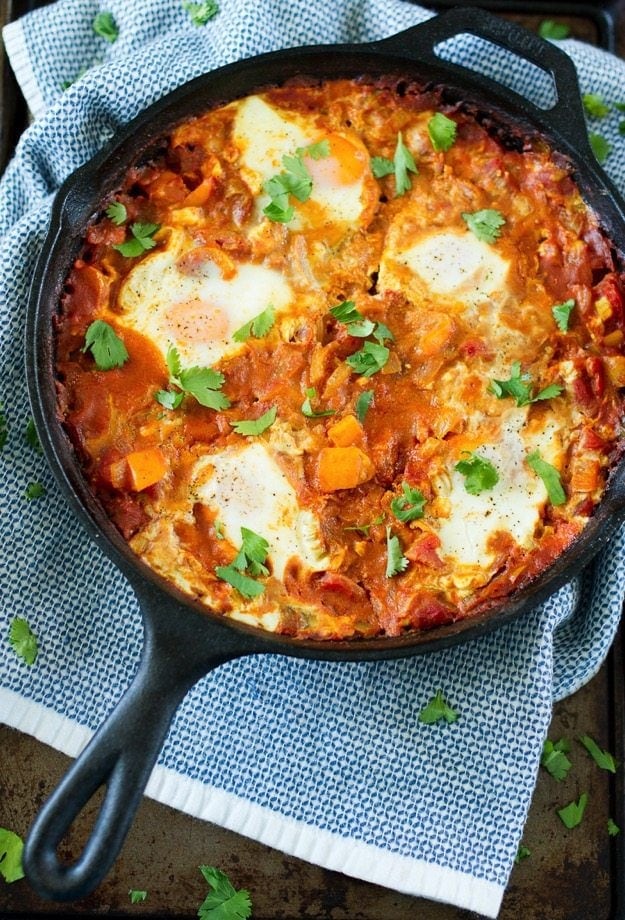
[
  {"x": 105, "y": 345},
  {"x": 201, "y": 13},
  {"x": 396, "y": 562},
  {"x": 307, "y": 409},
  {"x": 550, "y": 477},
  {"x": 613, "y": 828},
  {"x": 117, "y": 212},
  {"x": 223, "y": 902},
  {"x": 363, "y": 404},
  {"x": 549, "y": 28},
  {"x": 600, "y": 147},
  {"x": 571, "y": 815},
  {"x": 562, "y": 314},
  {"x": 105, "y": 26},
  {"x": 137, "y": 897},
  {"x": 553, "y": 758},
  {"x": 518, "y": 386},
  {"x": 522, "y": 853},
  {"x": 203, "y": 383},
  {"x": 404, "y": 163},
  {"x": 437, "y": 709},
  {"x": 258, "y": 327},
  {"x": 250, "y": 427},
  {"x": 409, "y": 506},
  {"x": 603, "y": 759},
  {"x": 595, "y": 106},
  {"x": 141, "y": 241},
  {"x": 442, "y": 131},
  {"x": 294, "y": 180},
  {"x": 22, "y": 640},
  {"x": 11, "y": 848},
  {"x": 479, "y": 474},
  {"x": 485, "y": 224}
]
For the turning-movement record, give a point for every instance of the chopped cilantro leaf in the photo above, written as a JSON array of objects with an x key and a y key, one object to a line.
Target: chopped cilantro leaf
[
  {"x": 295, "y": 180},
  {"x": 485, "y": 224},
  {"x": 346, "y": 312},
  {"x": 603, "y": 759},
  {"x": 549, "y": 476},
  {"x": 613, "y": 828},
  {"x": 136, "y": 897},
  {"x": 396, "y": 562},
  {"x": 174, "y": 364},
  {"x": 316, "y": 151},
  {"x": 201, "y": 13},
  {"x": 409, "y": 506},
  {"x": 562, "y": 314},
  {"x": 105, "y": 26},
  {"x": 34, "y": 490},
  {"x": 256, "y": 426},
  {"x": 22, "y": 640},
  {"x": 4, "y": 432},
  {"x": 307, "y": 409},
  {"x": 480, "y": 474},
  {"x": 600, "y": 147},
  {"x": 223, "y": 902},
  {"x": 571, "y": 815},
  {"x": 554, "y": 30},
  {"x": 365, "y": 528},
  {"x": 117, "y": 212},
  {"x": 246, "y": 586},
  {"x": 363, "y": 404},
  {"x": 382, "y": 166},
  {"x": 518, "y": 386},
  {"x": 105, "y": 345},
  {"x": 31, "y": 437},
  {"x": 442, "y": 131},
  {"x": 141, "y": 240},
  {"x": 595, "y": 106},
  {"x": 258, "y": 327},
  {"x": 436, "y": 710},
  {"x": 369, "y": 360},
  {"x": 382, "y": 333},
  {"x": 169, "y": 399},
  {"x": 203, "y": 383},
  {"x": 554, "y": 759},
  {"x": 404, "y": 163},
  {"x": 11, "y": 848},
  {"x": 522, "y": 853}
]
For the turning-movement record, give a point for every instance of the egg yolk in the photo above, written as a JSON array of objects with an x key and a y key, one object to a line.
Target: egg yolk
[
  {"x": 197, "y": 321},
  {"x": 345, "y": 165}
]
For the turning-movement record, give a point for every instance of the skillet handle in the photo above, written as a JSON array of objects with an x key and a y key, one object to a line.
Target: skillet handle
[
  {"x": 121, "y": 756},
  {"x": 566, "y": 116}
]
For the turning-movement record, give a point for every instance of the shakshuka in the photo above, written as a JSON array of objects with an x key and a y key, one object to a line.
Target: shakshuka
[{"x": 342, "y": 359}]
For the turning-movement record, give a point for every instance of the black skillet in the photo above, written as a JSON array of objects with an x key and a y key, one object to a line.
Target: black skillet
[{"x": 183, "y": 640}]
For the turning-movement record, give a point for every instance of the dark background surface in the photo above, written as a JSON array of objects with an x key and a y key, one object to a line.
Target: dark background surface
[{"x": 570, "y": 875}]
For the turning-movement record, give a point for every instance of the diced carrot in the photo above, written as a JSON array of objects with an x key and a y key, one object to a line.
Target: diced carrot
[
  {"x": 145, "y": 468},
  {"x": 585, "y": 475},
  {"x": 346, "y": 431},
  {"x": 615, "y": 366},
  {"x": 343, "y": 468}
]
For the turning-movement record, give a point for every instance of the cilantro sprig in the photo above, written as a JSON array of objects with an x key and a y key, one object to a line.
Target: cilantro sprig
[
  {"x": 550, "y": 477},
  {"x": 203, "y": 383},
  {"x": 117, "y": 213},
  {"x": 23, "y": 641},
  {"x": 370, "y": 359},
  {"x": 442, "y": 131},
  {"x": 223, "y": 902},
  {"x": 410, "y": 505},
  {"x": 485, "y": 224},
  {"x": 253, "y": 427},
  {"x": 554, "y": 760},
  {"x": 141, "y": 240},
  {"x": 258, "y": 327},
  {"x": 479, "y": 474},
  {"x": 519, "y": 387},
  {"x": 106, "y": 347},
  {"x": 249, "y": 561},
  {"x": 437, "y": 709},
  {"x": 562, "y": 314},
  {"x": 401, "y": 165},
  {"x": 396, "y": 562},
  {"x": 11, "y": 849},
  {"x": 307, "y": 409},
  {"x": 294, "y": 180}
]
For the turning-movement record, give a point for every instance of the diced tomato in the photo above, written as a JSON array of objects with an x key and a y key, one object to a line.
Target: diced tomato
[{"x": 425, "y": 550}]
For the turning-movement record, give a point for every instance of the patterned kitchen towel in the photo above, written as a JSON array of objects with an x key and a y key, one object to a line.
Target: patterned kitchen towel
[{"x": 324, "y": 761}]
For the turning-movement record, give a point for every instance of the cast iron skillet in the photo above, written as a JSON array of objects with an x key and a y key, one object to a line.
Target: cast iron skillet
[{"x": 183, "y": 640}]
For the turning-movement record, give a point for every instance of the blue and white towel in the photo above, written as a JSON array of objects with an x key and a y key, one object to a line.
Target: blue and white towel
[{"x": 324, "y": 761}]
